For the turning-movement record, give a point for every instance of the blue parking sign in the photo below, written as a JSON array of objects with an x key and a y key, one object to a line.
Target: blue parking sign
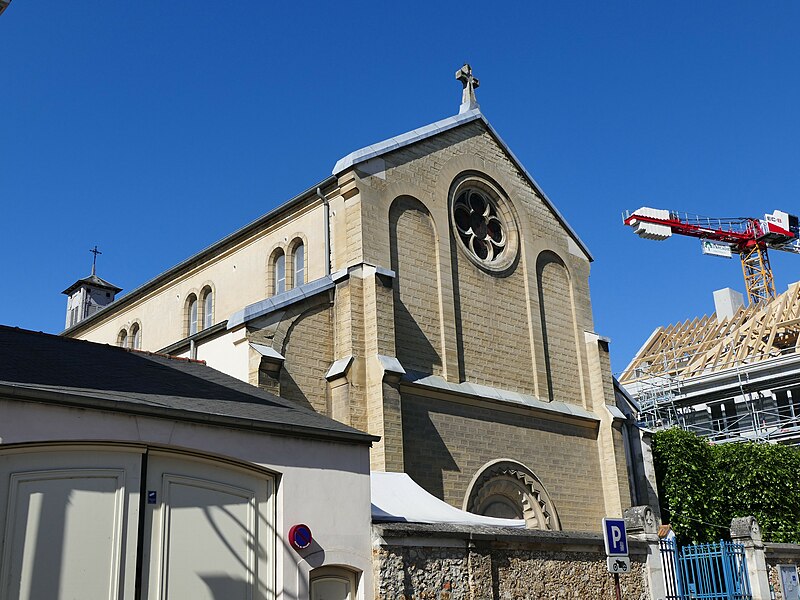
[{"x": 615, "y": 537}]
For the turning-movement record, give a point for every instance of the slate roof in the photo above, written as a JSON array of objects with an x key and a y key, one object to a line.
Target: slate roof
[
  {"x": 53, "y": 369},
  {"x": 92, "y": 280}
]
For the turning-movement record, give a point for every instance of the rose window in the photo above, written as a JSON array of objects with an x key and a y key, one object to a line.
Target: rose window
[{"x": 478, "y": 225}]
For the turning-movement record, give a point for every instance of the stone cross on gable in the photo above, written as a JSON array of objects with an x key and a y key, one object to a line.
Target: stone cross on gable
[{"x": 470, "y": 82}]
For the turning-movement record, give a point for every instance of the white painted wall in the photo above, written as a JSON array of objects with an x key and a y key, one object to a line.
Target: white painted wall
[
  {"x": 229, "y": 353},
  {"x": 322, "y": 484}
]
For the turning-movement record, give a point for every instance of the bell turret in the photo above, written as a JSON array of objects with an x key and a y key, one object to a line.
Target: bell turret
[{"x": 88, "y": 295}]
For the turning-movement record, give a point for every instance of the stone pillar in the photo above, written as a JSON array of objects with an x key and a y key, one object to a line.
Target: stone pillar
[
  {"x": 642, "y": 524},
  {"x": 745, "y": 530},
  {"x": 610, "y": 444}
]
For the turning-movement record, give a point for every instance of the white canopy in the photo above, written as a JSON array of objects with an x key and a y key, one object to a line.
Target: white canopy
[{"x": 397, "y": 498}]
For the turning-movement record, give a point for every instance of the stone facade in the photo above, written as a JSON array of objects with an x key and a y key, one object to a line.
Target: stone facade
[
  {"x": 447, "y": 442},
  {"x": 400, "y": 331},
  {"x": 454, "y": 563}
]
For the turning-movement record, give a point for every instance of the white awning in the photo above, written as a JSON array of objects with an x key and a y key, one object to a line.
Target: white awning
[{"x": 397, "y": 498}]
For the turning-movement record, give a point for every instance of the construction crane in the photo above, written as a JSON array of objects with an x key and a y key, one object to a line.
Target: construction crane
[{"x": 750, "y": 238}]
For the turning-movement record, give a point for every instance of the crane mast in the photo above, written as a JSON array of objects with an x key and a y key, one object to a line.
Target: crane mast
[{"x": 750, "y": 238}]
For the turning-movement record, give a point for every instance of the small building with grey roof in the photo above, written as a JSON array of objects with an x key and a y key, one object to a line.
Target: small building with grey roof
[{"x": 124, "y": 472}]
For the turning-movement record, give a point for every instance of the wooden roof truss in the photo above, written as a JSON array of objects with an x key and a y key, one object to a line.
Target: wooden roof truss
[{"x": 697, "y": 347}]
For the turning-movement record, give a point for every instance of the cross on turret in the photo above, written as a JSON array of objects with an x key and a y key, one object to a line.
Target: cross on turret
[
  {"x": 88, "y": 295},
  {"x": 470, "y": 83},
  {"x": 94, "y": 251}
]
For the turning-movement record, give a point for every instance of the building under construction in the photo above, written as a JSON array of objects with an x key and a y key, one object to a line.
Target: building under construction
[{"x": 731, "y": 376}]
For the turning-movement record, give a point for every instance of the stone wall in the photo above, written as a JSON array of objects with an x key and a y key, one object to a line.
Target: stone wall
[
  {"x": 446, "y": 443},
  {"x": 308, "y": 349},
  {"x": 558, "y": 328},
  {"x": 453, "y": 562},
  {"x": 483, "y": 312},
  {"x": 780, "y": 554},
  {"x": 416, "y": 292}
]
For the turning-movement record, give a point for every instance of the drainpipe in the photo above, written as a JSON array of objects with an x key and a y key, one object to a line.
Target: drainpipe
[{"x": 327, "y": 218}]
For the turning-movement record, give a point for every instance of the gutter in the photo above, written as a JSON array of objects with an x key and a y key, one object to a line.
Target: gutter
[
  {"x": 26, "y": 394},
  {"x": 327, "y": 229}
]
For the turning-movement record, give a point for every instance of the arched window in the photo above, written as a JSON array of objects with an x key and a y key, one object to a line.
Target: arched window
[
  {"x": 331, "y": 583},
  {"x": 208, "y": 308},
  {"x": 299, "y": 264},
  {"x": 191, "y": 315},
  {"x": 280, "y": 273},
  {"x": 504, "y": 488},
  {"x": 122, "y": 339},
  {"x": 136, "y": 336}
]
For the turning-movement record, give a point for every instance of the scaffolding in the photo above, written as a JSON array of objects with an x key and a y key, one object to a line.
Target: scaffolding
[{"x": 700, "y": 375}]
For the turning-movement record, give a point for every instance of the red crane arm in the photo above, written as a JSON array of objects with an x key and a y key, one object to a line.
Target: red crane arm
[{"x": 739, "y": 233}]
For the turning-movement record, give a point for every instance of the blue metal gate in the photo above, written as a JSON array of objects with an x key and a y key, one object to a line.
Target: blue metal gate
[{"x": 705, "y": 571}]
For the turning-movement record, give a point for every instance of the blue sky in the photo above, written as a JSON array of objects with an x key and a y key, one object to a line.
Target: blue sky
[{"x": 155, "y": 128}]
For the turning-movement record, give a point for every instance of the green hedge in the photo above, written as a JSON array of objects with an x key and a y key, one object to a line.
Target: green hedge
[{"x": 703, "y": 486}]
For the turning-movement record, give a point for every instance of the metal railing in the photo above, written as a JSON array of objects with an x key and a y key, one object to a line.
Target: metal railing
[{"x": 715, "y": 571}]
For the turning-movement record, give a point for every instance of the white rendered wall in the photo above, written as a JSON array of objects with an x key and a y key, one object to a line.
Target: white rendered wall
[
  {"x": 229, "y": 353},
  {"x": 322, "y": 484}
]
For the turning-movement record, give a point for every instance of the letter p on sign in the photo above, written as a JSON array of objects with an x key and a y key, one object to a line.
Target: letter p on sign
[{"x": 615, "y": 537}]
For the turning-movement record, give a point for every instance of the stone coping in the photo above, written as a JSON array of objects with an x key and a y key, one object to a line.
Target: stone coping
[
  {"x": 282, "y": 300},
  {"x": 782, "y": 550},
  {"x": 476, "y": 390},
  {"x": 417, "y": 135},
  {"x": 425, "y": 534},
  {"x": 406, "y": 139}
]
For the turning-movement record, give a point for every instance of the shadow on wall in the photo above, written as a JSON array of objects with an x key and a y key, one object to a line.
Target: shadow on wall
[
  {"x": 308, "y": 357},
  {"x": 413, "y": 349},
  {"x": 48, "y": 557},
  {"x": 415, "y": 289},
  {"x": 440, "y": 436},
  {"x": 558, "y": 336},
  {"x": 292, "y": 391},
  {"x": 426, "y": 454},
  {"x": 462, "y": 372}
]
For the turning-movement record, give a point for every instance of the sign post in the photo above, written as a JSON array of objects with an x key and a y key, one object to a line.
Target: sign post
[{"x": 616, "y": 540}]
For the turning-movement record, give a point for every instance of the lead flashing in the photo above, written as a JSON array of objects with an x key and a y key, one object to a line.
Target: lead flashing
[
  {"x": 616, "y": 413},
  {"x": 267, "y": 351},
  {"x": 339, "y": 368},
  {"x": 391, "y": 365},
  {"x": 482, "y": 391},
  {"x": 280, "y": 301},
  {"x": 364, "y": 154}
]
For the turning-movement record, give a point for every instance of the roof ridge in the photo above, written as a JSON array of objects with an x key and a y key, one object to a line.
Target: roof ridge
[{"x": 107, "y": 345}]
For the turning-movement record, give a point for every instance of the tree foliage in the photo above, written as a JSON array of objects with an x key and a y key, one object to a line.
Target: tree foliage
[{"x": 702, "y": 486}]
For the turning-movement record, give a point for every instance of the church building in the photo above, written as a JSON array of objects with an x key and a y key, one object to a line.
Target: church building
[{"x": 428, "y": 292}]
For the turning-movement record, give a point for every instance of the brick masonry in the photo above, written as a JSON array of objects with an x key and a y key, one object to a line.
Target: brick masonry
[
  {"x": 521, "y": 330},
  {"x": 416, "y": 301},
  {"x": 446, "y": 443},
  {"x": 308, "y": 350}
]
